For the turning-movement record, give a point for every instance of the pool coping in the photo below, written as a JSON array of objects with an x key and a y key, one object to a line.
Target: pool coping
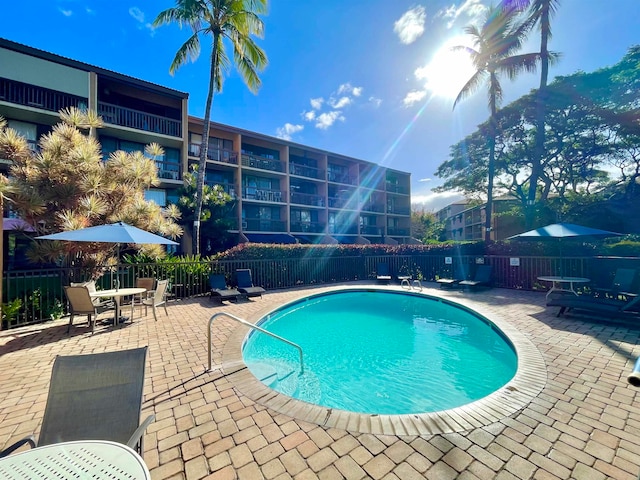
[{"x": 528, "y": 382}]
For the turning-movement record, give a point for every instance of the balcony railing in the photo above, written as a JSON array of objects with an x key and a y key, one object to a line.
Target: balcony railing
[
  {"x": 373, "y": 207},
  {"x": 215, "y": 154},
  {"x": 371, "y": 230},
  {"x": 398, "y": 232},
  {"x": 169, "y": 170},
  {"x": 341, "y": 178},
  {"x": 127, "y": 117},
  {"x": 262, "y": 163},
  {"x": 263, "y": 195},
  {"x": 307, "y": 199},
  {"x": 306, "y": 171},
  {"x": 229, "y": 188},
  {"x": 395, "y": 188},
  {"x": 341, "y": 230},
  {"x": 38, "y": 97},
  {"x": 260, "y": 225},
  {"x": 399, "y": 210},
  {"x": 342, "y": 202},
  {"x": 307, "y": 227}
]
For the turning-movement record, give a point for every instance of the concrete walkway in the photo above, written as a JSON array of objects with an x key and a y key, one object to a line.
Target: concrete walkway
[{"x": 583, "y": 424}]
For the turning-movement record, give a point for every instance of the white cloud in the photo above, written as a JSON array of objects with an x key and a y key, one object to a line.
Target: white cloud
[
  {"x": 357, "y": 91},
  {"x": 470, "y": 11},
  {"x": 340, "y": 103},
  {"x": 66, "y": 13},
  {"x": 347, "y": 88},
  {"x": 316, "y": 103},
  {"x": 375, "y": 101},
  {"x": 309, "y": 116},
  {"x": 435, "y": 201},
  {"x": 411, "y": 25},
  {"x": 414, "y": 97},
  {"x": 325, "y": 120},
  {"x": 424, "y": 180},
  {"x": 138, "y": 16},
  {"x": 285, "y": 132}
]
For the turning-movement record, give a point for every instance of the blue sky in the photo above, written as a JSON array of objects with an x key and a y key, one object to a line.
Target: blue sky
[{"x": 371, "y": 79}]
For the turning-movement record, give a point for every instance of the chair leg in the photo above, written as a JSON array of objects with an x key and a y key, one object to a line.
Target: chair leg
[
  {"x": 70, "y": 322},
  {"x": 166, "y": 312},
  {"x": 153, "y": 307}
]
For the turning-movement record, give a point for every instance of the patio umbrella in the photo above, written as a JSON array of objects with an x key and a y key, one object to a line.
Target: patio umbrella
[
  {"x": 117, "y": 233},
  {"x": 559, "y": 231}
]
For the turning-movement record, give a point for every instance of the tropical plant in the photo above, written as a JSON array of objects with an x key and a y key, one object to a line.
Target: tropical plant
[
  {"x": 66, "y": 185},
  {"x": 493, "y": 54},
  {"x": 235, "y": 21}
]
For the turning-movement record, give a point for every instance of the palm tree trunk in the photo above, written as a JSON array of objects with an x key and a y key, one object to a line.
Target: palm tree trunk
[
  {"x": 204, "y": 148},
  {"x": 541, "y": 104},
  {"x": 492, "y": 161}
]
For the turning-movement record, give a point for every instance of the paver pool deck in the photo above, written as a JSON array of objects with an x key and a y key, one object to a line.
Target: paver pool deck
[{"x": 583, "y": 422}]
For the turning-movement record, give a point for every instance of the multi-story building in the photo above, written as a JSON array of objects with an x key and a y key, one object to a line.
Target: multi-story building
[
  {"x": 283, "y": 191},
  {"x": 463, "y": 223}
]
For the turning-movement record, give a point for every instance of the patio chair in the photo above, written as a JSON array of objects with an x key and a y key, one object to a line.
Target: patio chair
[
  {"x": 149, "y": 284},
  {"x": 158, "y": 299},
  {"x": 607, "y": 307},
  {"x": 81, "y": 303},
  {"x": 219, "y": 289},
  {"x": 91, "y": 286},
  {"x": 245, "y": 284},
  {"x": 94, "y": 397},
  {"x": 620, "y": 286},
  {"x": 482, "y": 277},
  {"x": 459, "y": 275},
  {"x": 382, "y": 274}
]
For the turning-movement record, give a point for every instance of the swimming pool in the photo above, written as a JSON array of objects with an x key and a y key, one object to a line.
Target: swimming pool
[{"x": 381, "y": 352}]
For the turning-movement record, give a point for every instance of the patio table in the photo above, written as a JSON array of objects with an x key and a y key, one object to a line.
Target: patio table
[
  {"x": 557, "y": 282},
  {"x": 94, "y": 459},
  {"x": 117, "y": 295}
]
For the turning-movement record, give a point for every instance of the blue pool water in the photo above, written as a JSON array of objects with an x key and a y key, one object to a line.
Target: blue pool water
[{"x": 381, "y": 352}]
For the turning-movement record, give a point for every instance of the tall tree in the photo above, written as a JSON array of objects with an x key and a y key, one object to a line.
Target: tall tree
[
  {"x": 225, "y": 21},
  {"x": 493, "y": 53},
  {"x": 540, "y": 13}
]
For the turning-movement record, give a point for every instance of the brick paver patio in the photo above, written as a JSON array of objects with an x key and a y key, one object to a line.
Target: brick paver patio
[{"x": 584, "y": 424}]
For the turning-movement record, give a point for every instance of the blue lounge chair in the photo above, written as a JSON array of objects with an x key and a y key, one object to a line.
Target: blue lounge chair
[
  {"x": 219, "y": 289},
  {"x": 382, "y": 274},
  {"x": 459, "y": 276},
  {"x": 245, "y": 284},
  {"x": 482, "y": 277}
]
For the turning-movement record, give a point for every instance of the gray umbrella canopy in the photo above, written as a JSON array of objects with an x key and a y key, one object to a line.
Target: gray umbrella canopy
[
  {"x": 559, "y": 231},
  {"x": 118, "y": 233}
]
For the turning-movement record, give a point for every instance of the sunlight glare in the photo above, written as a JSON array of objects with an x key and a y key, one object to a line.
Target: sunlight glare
[{"x": 448, "y": 71}]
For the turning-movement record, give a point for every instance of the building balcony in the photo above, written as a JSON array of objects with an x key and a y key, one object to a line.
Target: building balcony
[
  {"x": 38, "y": 97},
  {"x": 262, "y": 163},
  {"x": 395, "y": 188},
  {"x": 307, "y": 199},
  {"x": 229, "y": 188},
  {"x": 336, "y": 177},
  {"x": 214, "y": 154},
  {"x": 398, "y": 232},
  {"x": 340, "y": 230},
  {"x": 261, "y": 225},
  {"x": 306, "y": 171},
  {"x": 371, "y": 230},
  {"x": 373, "y": 207},
  {"x": 263, "y": 195},
  {"x": 127, "y": 117},
  {"x": 399, "y": 210},
  {"x": 307, "y": 227},
  {"x": 169, "y": 170}
]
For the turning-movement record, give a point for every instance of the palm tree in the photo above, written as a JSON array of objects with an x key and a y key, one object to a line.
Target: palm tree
[
  {"x": 540, "y": 13},
  {"x": 235, "y": 21},
  {"x": 492, "y": 54}
]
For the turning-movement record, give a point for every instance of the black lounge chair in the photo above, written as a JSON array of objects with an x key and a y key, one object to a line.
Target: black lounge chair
[
  {"x": 621, "y": 286},
  {"x": 94, "y": 397},
  {"x": 482, "y": 278},
  {"x": 459, "y": 276},
  {"x": 382, "y": 274},
  {"x": 610, "y": 308},
  {"x": 219, "y": 289},
  {"x": 245, "y": 284}
]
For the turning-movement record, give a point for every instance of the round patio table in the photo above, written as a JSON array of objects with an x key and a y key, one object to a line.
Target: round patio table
[
  {"x": 94, "y": 459},
  {"x": 557, "y": 283},
  {"x": 117, "y": 295}
]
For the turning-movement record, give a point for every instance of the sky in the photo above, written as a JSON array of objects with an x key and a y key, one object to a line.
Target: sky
[{"x": 370, "y": 79}]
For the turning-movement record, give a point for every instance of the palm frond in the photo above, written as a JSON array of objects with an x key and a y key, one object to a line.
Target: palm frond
[
  {"x": 470, "y": 87},
  {"x": 189, "y": 51}
]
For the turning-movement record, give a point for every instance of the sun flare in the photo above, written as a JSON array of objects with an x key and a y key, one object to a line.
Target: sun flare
[{"x": 448, "y": 71}]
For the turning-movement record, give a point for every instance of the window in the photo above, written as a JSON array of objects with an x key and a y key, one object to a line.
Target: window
[
  {"x": 156, "y": 195},
  {"x": 27, "y": 130}
]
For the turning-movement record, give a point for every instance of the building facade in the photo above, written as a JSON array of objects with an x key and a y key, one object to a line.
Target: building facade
[{"x": 283, "y": 192}]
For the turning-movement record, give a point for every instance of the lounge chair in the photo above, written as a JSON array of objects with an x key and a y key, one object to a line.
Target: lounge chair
[
  {"x": 459, "y": 276},
  {"x": 245, "y": 284},
  {"x": 621, "y": 286},
  {"x": 81, "y": 303},
  {"x": 94, "y": 397},
  {"x": 159, "y": 299},
  {"x": 482, "y": 277},
  {"x": 219, "y": 289},
  {"x": 382, "y": 274},
  {"x": 612, "y": 308}
]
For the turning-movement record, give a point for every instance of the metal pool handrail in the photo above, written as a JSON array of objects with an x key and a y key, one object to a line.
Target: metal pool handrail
[{"x": 255, "y": 327}]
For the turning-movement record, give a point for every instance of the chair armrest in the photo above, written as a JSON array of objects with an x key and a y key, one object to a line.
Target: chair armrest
[
  {"x": 137, "y": 435},
  {"x": 31, "y": 440}
]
